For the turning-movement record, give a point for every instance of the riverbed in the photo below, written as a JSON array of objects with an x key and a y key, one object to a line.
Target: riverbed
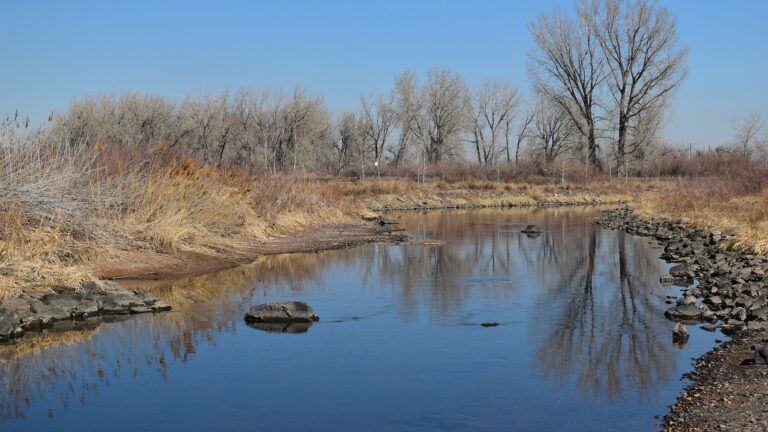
[{"x": 581, "y": 343}]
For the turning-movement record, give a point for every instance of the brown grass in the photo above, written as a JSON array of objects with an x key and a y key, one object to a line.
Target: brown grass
[
  {"x": 715, "y": 203},
  {"x": 62, "y": 212}
]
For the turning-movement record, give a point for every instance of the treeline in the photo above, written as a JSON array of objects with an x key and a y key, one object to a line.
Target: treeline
[{"x": 603, "y": 75}]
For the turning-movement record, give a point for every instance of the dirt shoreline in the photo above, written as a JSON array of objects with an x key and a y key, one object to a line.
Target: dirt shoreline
[{"x": 728, "y": 391}]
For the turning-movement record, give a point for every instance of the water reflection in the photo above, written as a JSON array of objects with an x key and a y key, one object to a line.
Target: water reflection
[{"x": 586, "y": 301}]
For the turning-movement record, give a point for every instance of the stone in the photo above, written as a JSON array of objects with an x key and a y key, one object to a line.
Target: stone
[
  {"x": 683, "y": 312},
  {"x": 680, "y": 332},
  {"x": 739, "y": 313},
  {"x": 714, "y": 301},
  {"x": 681, "y": 271},
  {"x": 289, "y": 311}
]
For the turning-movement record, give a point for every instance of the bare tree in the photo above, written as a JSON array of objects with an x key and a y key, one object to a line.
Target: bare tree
[
  {"x": 348, "y": 143},
  {"x": 378, "y": 120},
  {"x": 643, "y": 56},
  {"x": 568, "y": 68},
  {"x": 747, "y": 131},
  {"x": 437, "y": 111},
  {"x": 491, "y": 108},
  {"x": 553, "y": 130},
  {"x": 522, "y": 134}
]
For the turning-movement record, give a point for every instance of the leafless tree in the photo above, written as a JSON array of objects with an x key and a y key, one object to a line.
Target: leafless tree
[
  {"x": 437, "y": 111},
  {"x": 378, "y": 120},
  {"x": 747, "y": 131},
  {"x": 568, "y": 68},
  {"x": 348, "y": 143},
  {"x": 644, "y": 59},
  {"x": 491, "y": 108},
  {"x": 553, "y": 130},
  {"x": 523, "y": 133}
]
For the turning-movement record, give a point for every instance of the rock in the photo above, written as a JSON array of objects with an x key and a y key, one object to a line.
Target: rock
[
  {"x": 681, "y": 271},
  {"x": 687, "y": 300},
  {"x": 489, "y": 324},
  {"x": 680, "y": 332},
  {"x": 531, "y": 229},
  {"x": 739, "y": 313},
  {"x": 10, "y": 327},
  {"x": 280, "y": 312},
  {"x": 714, "y": 301},
  {"x": 708, "y": 327},
  {"x": 760, "y": 354},
  {"x": 683, "y": 312}
]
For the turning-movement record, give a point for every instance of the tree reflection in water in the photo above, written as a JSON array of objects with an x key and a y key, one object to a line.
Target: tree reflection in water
[{"x": 593, "y": 308}]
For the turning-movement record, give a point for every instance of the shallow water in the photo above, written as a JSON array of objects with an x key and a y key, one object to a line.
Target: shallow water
[{"x": 582, "y": 343}]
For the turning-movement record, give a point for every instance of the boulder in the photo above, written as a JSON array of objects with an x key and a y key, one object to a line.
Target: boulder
[
  {"x": 531, "y": 229},
  {"x": 683, "y": 312},
  {"x": 681, "y": 271},
  {"x": 281, "y": 312}
]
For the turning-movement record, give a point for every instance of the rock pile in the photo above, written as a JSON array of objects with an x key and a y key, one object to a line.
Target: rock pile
[
  {"x": 720, "y": 286},
  {"x": 30, "y": 313}
]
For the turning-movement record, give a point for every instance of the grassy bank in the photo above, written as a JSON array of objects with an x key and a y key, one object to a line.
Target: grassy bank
[
  {"x": 714, "y": 203},
  {"x": 62, "y": 213}
]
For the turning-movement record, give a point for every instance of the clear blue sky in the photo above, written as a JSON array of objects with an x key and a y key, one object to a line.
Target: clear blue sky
[{"x": 54, "y": 51}]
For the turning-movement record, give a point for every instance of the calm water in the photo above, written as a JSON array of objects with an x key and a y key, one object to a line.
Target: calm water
[{"x": 582, "y": 343}]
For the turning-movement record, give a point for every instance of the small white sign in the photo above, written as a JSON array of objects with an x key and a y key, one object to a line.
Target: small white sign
[{"x": 376, "y": 163}]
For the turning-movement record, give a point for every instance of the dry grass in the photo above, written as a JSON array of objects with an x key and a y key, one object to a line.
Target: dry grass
[
  {"x": 714, "y": 203},
  {"x": 62, "y": 212}
]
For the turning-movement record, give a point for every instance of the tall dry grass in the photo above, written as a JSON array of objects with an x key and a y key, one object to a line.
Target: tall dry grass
[{"x": 62, "y": 210}]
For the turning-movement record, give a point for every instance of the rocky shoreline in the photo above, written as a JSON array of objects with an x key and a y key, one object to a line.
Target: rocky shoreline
[
  {"x": 66, "y": 308},
  {"x": 723, "y": 289}
]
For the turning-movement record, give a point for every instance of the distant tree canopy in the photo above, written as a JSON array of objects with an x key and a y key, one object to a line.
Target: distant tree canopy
[{"x": 603, "y": 75}]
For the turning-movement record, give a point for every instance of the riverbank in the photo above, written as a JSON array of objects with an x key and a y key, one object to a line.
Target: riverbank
[
  {"x": 272, "y": 217},
  {"x": 729, "y": 389}
]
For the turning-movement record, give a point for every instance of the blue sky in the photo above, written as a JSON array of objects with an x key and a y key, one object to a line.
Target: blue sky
[{"x": 54, "y": 51}]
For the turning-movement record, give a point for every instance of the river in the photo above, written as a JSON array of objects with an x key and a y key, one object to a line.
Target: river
[{"x": 581, "y": 345}]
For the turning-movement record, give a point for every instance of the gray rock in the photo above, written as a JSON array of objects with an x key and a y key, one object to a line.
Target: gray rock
[
  {"x": 681, "y": 271},
  {"x": 680, "y": 332},
  {"x": 739, "y": 313},
  {"x": 683, "y": 312},
  {"x": 290, "y": 311}
]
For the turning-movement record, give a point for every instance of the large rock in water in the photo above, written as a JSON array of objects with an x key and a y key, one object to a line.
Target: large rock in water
[
  {"x": 281, "y": 312},
  {"x": 683, "y": 312}
]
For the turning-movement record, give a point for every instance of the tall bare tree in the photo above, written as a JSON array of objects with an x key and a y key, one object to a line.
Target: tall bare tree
[
  {"x": 523, "y": 133},
  {"x": 747, "y": 131},
  {"x": 437, "y": 110},
  {"x": 491, "y": 108},
  {"x": 644, "y": 58},
  {"x": 378, "y": 120},
  {"x": 553, "y": 130},
  {"x": 568, "y": 68}
]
